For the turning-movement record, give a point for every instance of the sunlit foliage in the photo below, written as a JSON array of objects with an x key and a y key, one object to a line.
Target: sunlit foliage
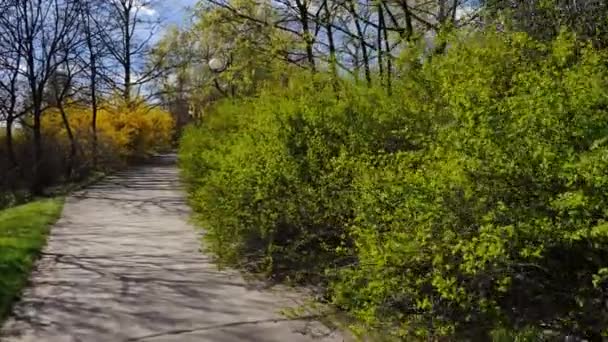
[{"x": 469, "y": 204}]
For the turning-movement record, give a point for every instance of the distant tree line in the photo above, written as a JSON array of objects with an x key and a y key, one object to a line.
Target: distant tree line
[
  {"x": 357, "y": 39},
  {"x": 56, "y": 54}
]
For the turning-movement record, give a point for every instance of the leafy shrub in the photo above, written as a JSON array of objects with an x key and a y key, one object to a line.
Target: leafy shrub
[
  {"x": 470, "y": 203},
  {"x": 270, "y": 177},
  {"x": 500, "y": 220}
]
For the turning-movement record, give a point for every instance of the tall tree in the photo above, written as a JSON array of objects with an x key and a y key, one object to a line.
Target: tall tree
[
  {"x": 11, "y": 94},
  {"x": 131, "y": 24},
  {"x": 96, "y": 52},
  {"x": 46, "y": 29}
]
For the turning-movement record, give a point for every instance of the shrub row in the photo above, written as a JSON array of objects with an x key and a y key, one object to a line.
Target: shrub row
[{"x": 471, "y": 202}]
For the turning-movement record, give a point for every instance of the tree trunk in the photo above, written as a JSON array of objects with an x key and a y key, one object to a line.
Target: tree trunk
[
  {"x": 37, "y": 184},
  {"x": 95, "y": 144},
  {"x": 357, "y": 64},
  {"x": 127, "y": 90},
  {"x": 73, "y": 148},
  {"x": 379, "y": 45},
  {"x": 409, "y": 27},
  {"x": 93, "y": 85},
  {"x": 330, "y": 39},
  {"x": 94, "y": 110},
  {"x": 368, "y": 74},
  {"x": 10, "y": 148},
  {"x": 387, "y": 48},
  {"x": 454, "y": 10},
  {"x": 308, "y": 40},
  {"x": 442, "y": 15},
  {"x": 127, "y": 57}
]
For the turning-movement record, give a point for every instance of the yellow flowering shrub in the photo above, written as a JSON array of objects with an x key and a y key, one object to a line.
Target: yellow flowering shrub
[{"x": 121, "y": 131}]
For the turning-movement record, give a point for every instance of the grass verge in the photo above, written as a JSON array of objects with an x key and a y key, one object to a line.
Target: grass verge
[{"x": 23, "y": 233}]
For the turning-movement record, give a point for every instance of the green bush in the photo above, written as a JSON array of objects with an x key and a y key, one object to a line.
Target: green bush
[
  {"x": 470, "y": 203},
  {"x": 271, "y": 186}
]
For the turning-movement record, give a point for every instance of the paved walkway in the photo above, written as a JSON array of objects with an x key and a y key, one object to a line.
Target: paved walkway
[{"x": 123, "y": 264}]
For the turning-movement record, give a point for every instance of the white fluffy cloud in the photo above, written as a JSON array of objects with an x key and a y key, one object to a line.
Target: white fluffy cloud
[{"x": 145, "y": 10}]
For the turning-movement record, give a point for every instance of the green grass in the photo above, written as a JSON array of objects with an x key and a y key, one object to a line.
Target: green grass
[{"x": 23, "y": 233}]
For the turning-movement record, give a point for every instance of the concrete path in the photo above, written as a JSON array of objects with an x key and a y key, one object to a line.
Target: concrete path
[{"x": 123, "y": 264}]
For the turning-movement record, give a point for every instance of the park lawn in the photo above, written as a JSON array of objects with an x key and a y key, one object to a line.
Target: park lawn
[{"x": 23, "y": 233}]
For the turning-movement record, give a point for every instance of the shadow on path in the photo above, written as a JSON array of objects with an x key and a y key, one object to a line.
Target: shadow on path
[{"x": 123, "y": 264}]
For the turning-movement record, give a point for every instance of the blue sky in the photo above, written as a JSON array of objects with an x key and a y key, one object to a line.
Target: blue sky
[
  {"x": 174, "y": 11},
  {"x": 170, "y": 12}
]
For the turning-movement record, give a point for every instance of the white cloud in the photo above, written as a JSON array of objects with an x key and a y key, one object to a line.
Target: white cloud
[
  {"x": 145, "y": 10},
  {"x": 140, "y": 5}
]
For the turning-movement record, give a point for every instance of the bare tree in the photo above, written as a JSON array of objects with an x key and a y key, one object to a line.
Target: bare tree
[
  {"x": 355, "y": 35},
  {"x": 327, "y": 24},
  {"x": 45, "y": 28},
  {"x": 62, "y": 90},
  {"x": 127, "y": 38},
  {"x": 92, "y": 61},
  {"x": 10, "y": 63}
]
